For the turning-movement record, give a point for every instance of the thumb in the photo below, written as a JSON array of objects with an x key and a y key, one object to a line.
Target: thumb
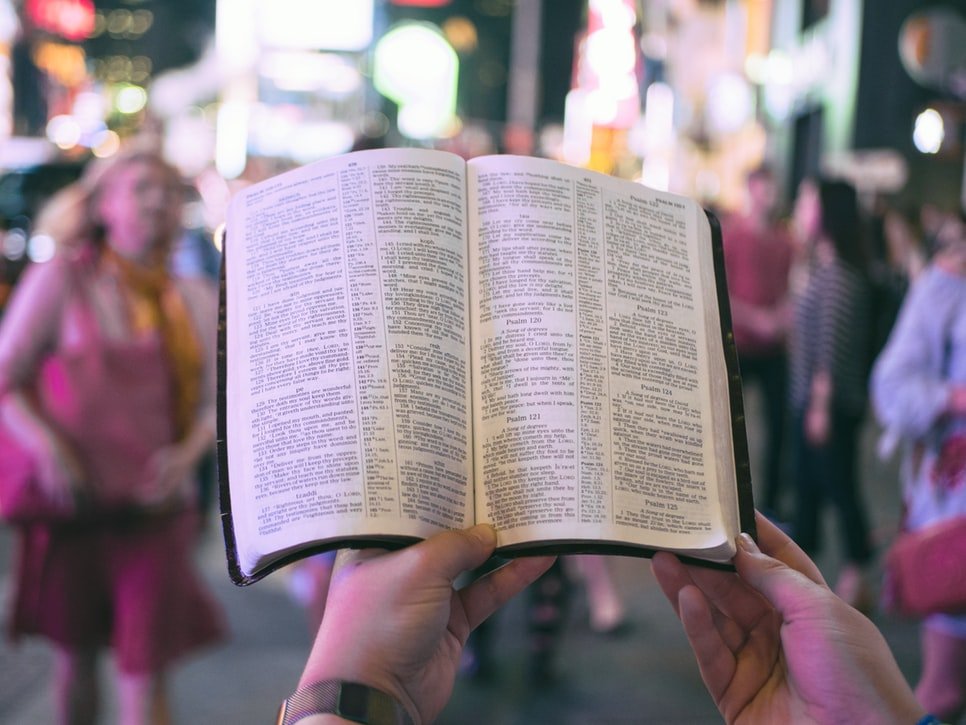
[
  {"x": 783, "y": 586},
  {"x": 451, "y": 553}
]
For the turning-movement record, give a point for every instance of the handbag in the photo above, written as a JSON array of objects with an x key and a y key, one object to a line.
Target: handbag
[
  {"x": 924, "y": 572},
  {"x": 22, "y": 499}
]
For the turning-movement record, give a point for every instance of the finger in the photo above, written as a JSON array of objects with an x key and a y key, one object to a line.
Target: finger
[
  {"x": 734, "y": 635},
  {"x": 450, "y": 553},
  {"x": 351, "y": 557},
  {"x": 671, "y": 576},
  {"x": 488, "y": 593},
  {"x": 715, "y": 659},
  {"x": 783, "y": 586},
  {"x": 733, "y": 597},
  {"x": 777, "y": 544},
  {"x": 447, "y": 554}
]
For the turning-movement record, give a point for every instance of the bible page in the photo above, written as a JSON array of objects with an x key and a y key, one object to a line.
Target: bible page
[
  {"x": 599, "y": 370},
  {"x": 347, "y": 349}
]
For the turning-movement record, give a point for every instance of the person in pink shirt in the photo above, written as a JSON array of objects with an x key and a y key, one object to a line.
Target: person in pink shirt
[
  {"x": 759, "y": 251},
  {"x": 106, "y": 382}
]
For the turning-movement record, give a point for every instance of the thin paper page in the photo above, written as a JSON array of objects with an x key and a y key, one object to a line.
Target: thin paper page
[
  {"x": 596, "y": 419},
  {"x": 348, "y": 405}
]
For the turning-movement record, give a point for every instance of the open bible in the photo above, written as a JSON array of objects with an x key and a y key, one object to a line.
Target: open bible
[{"x": 411, "y": 342}]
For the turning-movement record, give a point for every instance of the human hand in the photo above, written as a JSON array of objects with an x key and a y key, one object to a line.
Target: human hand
[
  {"x": 58, "y": 470},
  {"x": 56, "y": 467},
  {"x": 169, "y": 476},
  {"x": 774, "y": 643},
  {"x": 393, "y": 620}
]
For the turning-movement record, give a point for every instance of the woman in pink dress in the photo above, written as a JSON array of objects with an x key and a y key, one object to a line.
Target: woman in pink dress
[{"x": 106, "y": 382}]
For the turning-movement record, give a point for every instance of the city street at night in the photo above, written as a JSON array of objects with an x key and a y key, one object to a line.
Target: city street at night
[{"x": 400, "y": 265}]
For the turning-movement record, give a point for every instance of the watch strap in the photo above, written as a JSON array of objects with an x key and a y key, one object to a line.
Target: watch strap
[{"x": 349, "y": 700}]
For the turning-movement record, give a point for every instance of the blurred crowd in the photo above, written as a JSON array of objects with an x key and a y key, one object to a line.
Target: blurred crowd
[{"x": 845, "y": 313}]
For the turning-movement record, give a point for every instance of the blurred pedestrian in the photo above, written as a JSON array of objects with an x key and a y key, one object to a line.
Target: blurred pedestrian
[
  {"x": 758, "y": 253},
  {"x": 829, "y": 352},
  {"x": 106, "y": 380},
  {"x": 898, "y": 258},
  {"x": 919, "y": 392}
]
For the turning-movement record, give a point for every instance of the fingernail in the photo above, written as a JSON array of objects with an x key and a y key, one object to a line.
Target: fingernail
[
  {"x": 747, "y": 543},
  {"x": 486, "y": 533}
]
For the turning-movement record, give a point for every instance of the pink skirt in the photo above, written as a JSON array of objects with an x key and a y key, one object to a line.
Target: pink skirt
[{"x": 128, "y": 583}]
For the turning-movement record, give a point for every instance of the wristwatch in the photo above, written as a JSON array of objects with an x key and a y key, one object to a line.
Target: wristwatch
[{"x": 349, "y": 700}]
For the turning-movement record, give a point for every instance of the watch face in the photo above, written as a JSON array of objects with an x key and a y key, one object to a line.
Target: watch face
[{"x": 353, "y": 700}]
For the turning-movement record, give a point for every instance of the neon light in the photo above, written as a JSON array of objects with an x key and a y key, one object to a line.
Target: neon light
[
  {"x": 231, "y": 145},
  {"x": 420, "y": 3},
  {"x": 70, "y": 19},
  {"x": 929, "y": 131},
  {"x": 417, "y": 68},
  {"x": 315, "y": 24}
]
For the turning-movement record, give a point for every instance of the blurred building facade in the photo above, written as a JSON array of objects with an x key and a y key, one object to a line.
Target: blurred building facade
[{"x": 684, "y": 94}]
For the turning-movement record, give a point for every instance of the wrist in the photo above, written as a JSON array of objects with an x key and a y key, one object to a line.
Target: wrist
[
  {"x": 340, "y": 701},
  {"x": 903, "y": 707},
  {"x": 342, "y": 650},
  {"x": 325, "y": 664},
  {"x": 364, "y": 677}
]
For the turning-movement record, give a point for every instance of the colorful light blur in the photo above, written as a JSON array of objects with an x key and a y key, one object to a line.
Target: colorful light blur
[
  {"x": 417, "y": 68},
  {"x": 64, "y": 131},
  {"x": 232, "y": 141},
  {"x": 41, "y": 248},
  {"x": 608, "y": 63},
  {"x": 69, "y": 19},
  {"x": 658, "y": 136},
  {"x": 64, "y": 62},
  {"x": 730, "y": 103},
  {"x": 578, "y": 128},
  {"x": 929, "y": 131},
  {"x": 314, "y": 24},
  {"x": 421, "y": 3},
  {"x": 329, "y": 74},
  {"x": 130, "y": 99}
]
